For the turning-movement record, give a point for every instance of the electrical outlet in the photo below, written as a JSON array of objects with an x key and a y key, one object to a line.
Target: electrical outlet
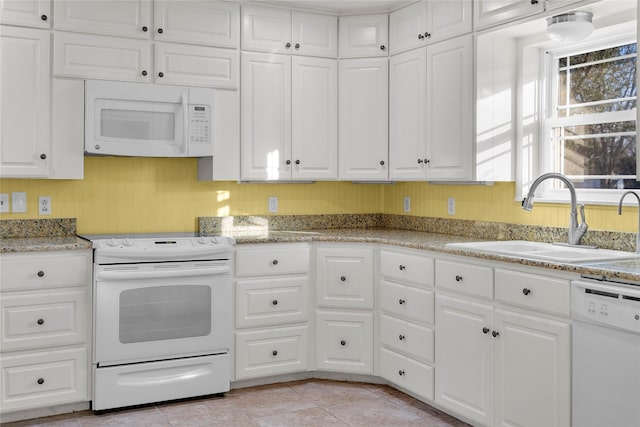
[
  {"x": 44, "y": 205},
  {"x": 451, "y": 206},
  {"x": 18, "y": 202},
  {"x": 407, "y": 204},
  {"x": 273, "y": 204},
  {"x": 4, "y": 202}
]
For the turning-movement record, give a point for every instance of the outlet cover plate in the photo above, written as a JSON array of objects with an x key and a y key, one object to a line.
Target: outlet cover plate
[
  {"x": 451, "y": 206},
  {"x": 273, "y": 204},
  {"x": 4, "y": 202},
  {"x": 406, "y": 204},
  {"x": 44, "y": 205}
]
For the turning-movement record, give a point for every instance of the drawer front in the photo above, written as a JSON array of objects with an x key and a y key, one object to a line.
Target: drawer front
[
  {"x": 45, "y": 270},
  {"x": 407, "y": 373},
  {"x": 532, "y": 291},
  {"x": 344, "y": 277},
  {"x": 43, "y": 379},
  {"x": 407, "y": 338},
  {"x": 271, "y": 301},
  {"x": 36, "y": 320},
  {"x": 271, "y": 352},
  {"x": 407, "y": 302},
  {"x": 407, "y": 267},
  {"x": 344, "y": 342},
  {"x": 270, "y": 260},
  {"x": 465, "y": 278}
]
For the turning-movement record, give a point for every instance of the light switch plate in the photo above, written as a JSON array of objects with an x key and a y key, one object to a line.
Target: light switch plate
[
  {"x": 273, "y": 204},
  {"x": 44, "y": 205},
  {"x": 4, "y": 202},
  {"x": 451, "y": 206},
  {"x": 18, "y": 202},
  {"x": 407, "y": 204}
]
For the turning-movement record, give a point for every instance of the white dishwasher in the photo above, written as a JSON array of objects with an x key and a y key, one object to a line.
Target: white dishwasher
[{"x": 606, "y": 354}]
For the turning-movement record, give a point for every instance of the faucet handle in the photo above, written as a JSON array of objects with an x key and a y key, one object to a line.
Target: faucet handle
[
  {"x": 582, "y": 217},
  {"x": 583, "y": 227}
]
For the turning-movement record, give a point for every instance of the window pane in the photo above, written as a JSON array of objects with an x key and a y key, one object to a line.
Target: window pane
[
  {"x": 597, "y": 156},
  {"x": 607, "y": 80},
  {"x": 597, "y": 55}
]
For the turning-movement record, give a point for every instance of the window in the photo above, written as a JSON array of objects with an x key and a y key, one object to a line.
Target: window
[{"x": 591, "y": 124}]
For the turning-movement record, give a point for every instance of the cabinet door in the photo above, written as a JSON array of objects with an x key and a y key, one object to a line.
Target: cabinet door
[
  {"x": 449, "y": 109},
  {"x": 407, "y": 113},
  {"x": 363, "y": 36},
  {"x": 344, "y": 277},
  {"x": 493, "y": 12},
  {"x": 344, "y": 342},
  {"x": 266, "y": 117},
  {"x": 101, "y": 57},
  {"x": 363, "y": 123},
  {"x": 266, "y": 29},
  {"x": 30, "y": 13},
  {"x": 464, "y": 358},
  {"x": 533, "y": 371},
  {"x": 314, "y": 35},
  {"x": 448, "y": 18},
  {"x": 314, "y": 118},
  {"x": 24, "y": 107},
  {"x": 407, "y": 27},
  {"x": 177, "y": 64},
  {"x": 126, "y": 18},
  {"x": 214, "y": 23}
]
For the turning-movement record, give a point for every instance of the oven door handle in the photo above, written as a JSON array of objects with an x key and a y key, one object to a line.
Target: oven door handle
[{"x": 161, "y": 274}]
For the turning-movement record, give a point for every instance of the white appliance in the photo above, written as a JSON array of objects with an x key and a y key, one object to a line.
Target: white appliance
[
  {"x": 147, "y": 120},
  {"x": 606, "y": 354},
  {"x": 162, "y": 318}
]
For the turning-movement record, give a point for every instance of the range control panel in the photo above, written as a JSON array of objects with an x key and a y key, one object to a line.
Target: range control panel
[{"x": 607, "y": 303}]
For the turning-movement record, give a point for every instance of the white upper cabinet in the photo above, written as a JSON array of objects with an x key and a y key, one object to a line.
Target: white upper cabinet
[
  {"x": 282, "y": 31},
  {"x": 314, "y": 118},
  {"x": 428, "y": 22},
  {"x": 430, "y": 112},
  {"x": 127, "y": 18},
  {"x": 493, "y": 12},
  {"x": 266, "y": 117},
  {"x": 30, "y": 13},
  {"x": 24, "y": 106},
  {"x": 363, "y": 36},
  {"x": 213, "y": 23},
  {"x": 363, "y": 123},
  {"x": 314, "y": 35},
  {"x": 449, "y": 121}
]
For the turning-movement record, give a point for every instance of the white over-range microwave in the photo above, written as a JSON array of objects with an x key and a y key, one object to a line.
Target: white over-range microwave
[{"x": 148, "y": 120}]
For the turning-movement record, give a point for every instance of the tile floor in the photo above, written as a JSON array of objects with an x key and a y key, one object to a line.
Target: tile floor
[{"x": 313, "y": 402}]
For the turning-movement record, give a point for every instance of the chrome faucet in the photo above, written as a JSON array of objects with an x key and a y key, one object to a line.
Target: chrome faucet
[
  {"x": 620, "y": 213},
  {"x": 576, "y": 232}
]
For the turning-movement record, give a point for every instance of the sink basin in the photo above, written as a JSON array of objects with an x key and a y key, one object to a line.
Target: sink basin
[{"x": 544, "y": 251}]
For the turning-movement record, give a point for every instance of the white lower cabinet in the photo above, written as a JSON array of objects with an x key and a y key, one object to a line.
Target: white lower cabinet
[
  {"x": 344, "y": 342},
  {"x": 504, "y": 366},
  {"x": 45, "y": 322}
]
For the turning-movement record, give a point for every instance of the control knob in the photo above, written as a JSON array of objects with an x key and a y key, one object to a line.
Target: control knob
[
  {"x": 127, "y": 242},
  {"x": 112, "y": 242},
  {"x": 202, "y": 240},
  {"x": 215, "y": 239}
]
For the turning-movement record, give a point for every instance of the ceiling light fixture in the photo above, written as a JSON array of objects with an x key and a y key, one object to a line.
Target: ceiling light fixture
[{"x": 570, "y": 26}]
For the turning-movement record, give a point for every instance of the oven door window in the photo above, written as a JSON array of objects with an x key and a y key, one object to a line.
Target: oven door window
[{"x": 164, "y": 312}]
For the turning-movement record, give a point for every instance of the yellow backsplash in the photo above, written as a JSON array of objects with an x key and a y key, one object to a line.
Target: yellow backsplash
[{"x": 124, "y": 195}]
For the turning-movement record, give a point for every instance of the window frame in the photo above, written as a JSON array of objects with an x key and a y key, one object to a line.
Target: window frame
[{"x": 548, "y": 100}]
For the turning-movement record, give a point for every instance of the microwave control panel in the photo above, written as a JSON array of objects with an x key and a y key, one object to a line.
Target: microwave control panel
[{"x": 199, "y": 124}]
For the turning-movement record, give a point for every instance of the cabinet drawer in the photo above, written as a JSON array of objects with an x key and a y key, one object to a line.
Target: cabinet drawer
[
  {"x": 290, "y": 259},
  {"x": 43, "y": 379},
  {"x": 344, "y": 277},
  {"x": 407, "y": 267},
  {"x": 407, "y": 373},
  {"x": 465, "y": 278},
  {"x": 408, "y": 338},
  {"x": 407, "y": 302},
  {"x": 23, "y": 271},
  {"x": 344, "y": 342},
  {"x": 101, "y": 57},
  {"x": 533, "y": 291},
  {"x": 36, "y": 320},
  {"x": 271, "y": 301},
  {"x": 271, "y": 352}
]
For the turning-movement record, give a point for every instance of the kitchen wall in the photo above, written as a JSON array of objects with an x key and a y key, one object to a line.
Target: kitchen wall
[{"x": 123, "y": 195}]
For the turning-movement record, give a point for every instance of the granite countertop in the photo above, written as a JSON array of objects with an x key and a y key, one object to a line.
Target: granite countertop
[
  {"x": 620, "y": 270},
  {"x": 38, "y": 244}
]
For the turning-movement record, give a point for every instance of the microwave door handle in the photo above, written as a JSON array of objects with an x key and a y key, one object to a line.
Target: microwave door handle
[{"x": 185, "y": 130}]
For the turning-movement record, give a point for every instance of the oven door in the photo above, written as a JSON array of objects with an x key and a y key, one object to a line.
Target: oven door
[{"x": 147, "y": 312}]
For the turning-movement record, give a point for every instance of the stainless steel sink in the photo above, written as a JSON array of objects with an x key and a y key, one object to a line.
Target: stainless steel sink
[{"x": 544, "y": 251}]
